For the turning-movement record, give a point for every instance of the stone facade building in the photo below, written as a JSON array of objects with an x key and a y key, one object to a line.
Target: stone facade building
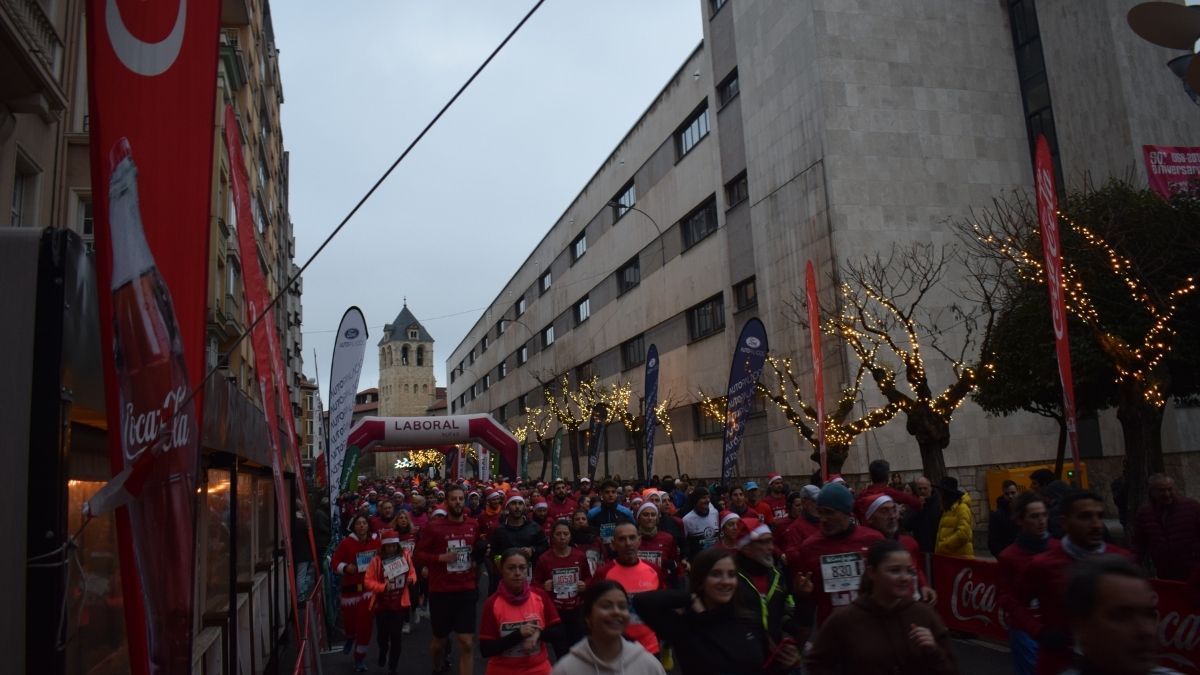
[{"x": 818, "y": 131}]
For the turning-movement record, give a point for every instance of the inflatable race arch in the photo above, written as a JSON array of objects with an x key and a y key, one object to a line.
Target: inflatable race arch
[{"x": 435, "y": 432}]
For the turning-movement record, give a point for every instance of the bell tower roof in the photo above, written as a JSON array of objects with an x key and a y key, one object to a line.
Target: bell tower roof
[{"x": 400, "y": 329}]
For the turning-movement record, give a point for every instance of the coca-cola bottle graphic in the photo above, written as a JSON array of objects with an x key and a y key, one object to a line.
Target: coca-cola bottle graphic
[{"x": 158, "y": 424}]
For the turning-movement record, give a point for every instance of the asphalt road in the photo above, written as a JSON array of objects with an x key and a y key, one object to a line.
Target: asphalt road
[{"x": 974, "y": 656}]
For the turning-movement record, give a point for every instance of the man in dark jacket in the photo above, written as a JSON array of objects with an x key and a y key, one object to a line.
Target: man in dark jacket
[
  {"x": 515, "y": 531},
  {"x": 1166, "y": 531},
  {"x": 923, "y": 523},
  {"x": 1002, "y": 529}
]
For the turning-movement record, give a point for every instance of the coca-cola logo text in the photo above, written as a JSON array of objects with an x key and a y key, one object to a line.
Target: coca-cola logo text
[
  {"x": 142, "y": 429},
  {"x": 1180, "y": 634},
  {"x": 972, "y": 600}
]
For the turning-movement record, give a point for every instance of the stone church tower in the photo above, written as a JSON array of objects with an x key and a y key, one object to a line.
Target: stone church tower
[{"x": 406, "y": 383}]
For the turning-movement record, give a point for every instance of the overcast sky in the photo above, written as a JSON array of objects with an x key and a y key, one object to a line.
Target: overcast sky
[{"x": 461, "y": 213}]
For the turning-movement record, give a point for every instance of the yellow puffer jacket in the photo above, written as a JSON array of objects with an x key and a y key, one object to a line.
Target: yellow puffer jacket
[{"x": 956, "y": 530}]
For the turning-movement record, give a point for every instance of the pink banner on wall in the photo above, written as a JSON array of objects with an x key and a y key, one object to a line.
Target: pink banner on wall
[{"x": 1171, "y": 168}]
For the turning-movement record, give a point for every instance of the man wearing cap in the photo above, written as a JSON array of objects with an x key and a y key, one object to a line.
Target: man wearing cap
[
  {"x": 763, "y": 590},
  {"x": 776, "y": 497},
  {"x": 756, "y": 507},
  {"x": 880, "y": 470},
  {"x": 830, "y": 564},
  {"x": 561, "y": 505},
  {"x": 883, "y": 516},
  {"x": 701, "y": 524},
  {"x": 516, "y": 531}
]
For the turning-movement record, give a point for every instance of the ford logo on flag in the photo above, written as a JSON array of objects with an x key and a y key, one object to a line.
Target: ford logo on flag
[
  {"x": 753, "y": 342},
  {"x": 652, "y": 363},
  {"x": 351, "y": 333}
]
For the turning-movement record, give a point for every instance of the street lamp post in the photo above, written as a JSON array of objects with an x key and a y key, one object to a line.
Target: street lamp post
[{"x": 662, "y": 245}]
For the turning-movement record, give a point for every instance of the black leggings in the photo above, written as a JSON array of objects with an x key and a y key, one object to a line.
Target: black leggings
[
  {"x": 573, "y": 631},
  {"x": 390, "y": 628}
]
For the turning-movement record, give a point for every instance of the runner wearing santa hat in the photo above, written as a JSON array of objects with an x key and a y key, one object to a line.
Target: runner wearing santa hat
[
  {"x": 389, "y": 577},
  {"x": 883, "y": 516},
  {"x": 489, "y": 518},
  {"x": 763, "y": 591},
  {"x": 351, "y": 559},
  {"x": 729, "y": 530},
  {"x": 658, "y": 547},
  {"x": 776, "y": 497}
]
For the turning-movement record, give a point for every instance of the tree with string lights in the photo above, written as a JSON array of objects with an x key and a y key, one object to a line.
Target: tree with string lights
[
  {"x": 886, "y": 322},
  {"x": 1129, "y": 264},
  {"x": 537, "y": 426},
  {"x": 574, "y": 408}
]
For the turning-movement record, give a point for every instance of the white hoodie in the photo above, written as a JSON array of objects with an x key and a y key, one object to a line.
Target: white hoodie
[{"x": 633, "y": 660}]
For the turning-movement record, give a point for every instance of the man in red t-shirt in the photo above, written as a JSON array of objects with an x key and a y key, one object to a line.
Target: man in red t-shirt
[
  {"x": 1049, "y": 571},
  {"x": 776, "y": 499},
  {"x": 831, "y": 563},
  {"x": 636, "y": 575},
  {"x": 561, "y": 505},
  {"x": 450, "y": 547},
  {"x": 1030, "y": 514}
]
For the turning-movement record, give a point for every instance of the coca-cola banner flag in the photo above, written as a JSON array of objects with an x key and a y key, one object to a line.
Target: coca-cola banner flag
[
  {"x": 748, "y": 359},
  {"x": 151, "y": 91},
  {"x": 1171, "y": 168},
  {"x": 1047, "y": 208},
  {"x": 818, "y": 363},
  {"x": 651, "y": 403},
  {"x": 968, "y": 601},
  {"x": 348, "y": 349},
  {"x": 262, "y": 336}
]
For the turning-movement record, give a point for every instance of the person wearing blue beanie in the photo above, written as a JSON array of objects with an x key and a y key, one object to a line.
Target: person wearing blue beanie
[{"x": 836, "y": 497}]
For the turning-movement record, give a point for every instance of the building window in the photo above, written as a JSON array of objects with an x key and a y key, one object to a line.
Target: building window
[
  {"x": 420, "y": 355},
  {"x": 23, "y": 211},
  {"x": 583, "y": 309},
  {"x": 629, "y": 275},
  {"x": 232, "y": 288},
  {"x": 503, "y": 371},
  {"x": 728, "y": 89},
  {"x": 547, "y": 336},
  {"x": 544, "y": 283},
  {"x": 736, "y": 191},
  {"x": 692, "y": 131},
  {"x": 706, "y": 318},
  {"x": 745, "y": 294},
  {"x": 522, "y": 355},
  {"x": 453, "y": 407},
  {"x": 633, "y": 352},
  {"x": 413, "y": 334},
  {"x": 584, "y": 373},
  {"x": 706, "y": 427},
  {"x": 699, "y": 224},
  {"x": 85, "y": 223},
  {"x": 578, "y": 247},
  {"x": 523, "y": 404},
  {"x": 520, "y": 305},
  {"x": 483, "y": 345},
  {"x": 474, "y": 390},
  {"x": 501, "y": 414},
  {"x": 470, "y": 358},
  {"x": 500, "y": 328},
  {"x": 487, "y": 382},
  {"x": 624, "y": 200}
]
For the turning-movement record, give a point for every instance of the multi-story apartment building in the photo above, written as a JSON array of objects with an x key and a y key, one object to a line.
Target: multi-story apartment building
[
  {"x": 816, "y": 131},
  {"x": 45, "y": 182}
]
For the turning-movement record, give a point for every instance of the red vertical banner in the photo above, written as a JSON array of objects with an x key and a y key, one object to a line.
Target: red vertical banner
[
  {"x": 818, "y": 362},
  {"x": 1047, "y": 208},
  {"x": 151, "y": 90},
  {"x": 262, "y": 337}
]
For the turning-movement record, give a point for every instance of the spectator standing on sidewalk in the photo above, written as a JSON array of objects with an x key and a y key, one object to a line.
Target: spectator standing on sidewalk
[
  {"x": 1166, "y": 531},
  {"x": 923, "y": 523},
  {"x": 956, "y": 529},
  {"x": 1002, "y": 530}
]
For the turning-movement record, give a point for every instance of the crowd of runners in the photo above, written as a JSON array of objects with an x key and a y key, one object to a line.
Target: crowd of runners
[{"x": 666, "y": 575}]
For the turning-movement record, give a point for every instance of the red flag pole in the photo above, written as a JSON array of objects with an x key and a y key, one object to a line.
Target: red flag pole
[
  {"x": 814, "y": 327},
  {"x": 1047, "y": 208}
]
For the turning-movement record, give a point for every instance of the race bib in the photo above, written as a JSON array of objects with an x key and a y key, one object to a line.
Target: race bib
[
  {"x": 566, "y": 583},
  {"x": 462, "y": 559},
  {"x": 396, "y": 571},
  {"x": 363, "y": 559},
  {"x": 841, "y": 573},
  {"x": 652, "y": 557},
  {"x": 606, "y": 532}
]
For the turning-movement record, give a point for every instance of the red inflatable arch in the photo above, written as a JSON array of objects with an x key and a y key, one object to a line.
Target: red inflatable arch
[{"x": 427, "y": 432}]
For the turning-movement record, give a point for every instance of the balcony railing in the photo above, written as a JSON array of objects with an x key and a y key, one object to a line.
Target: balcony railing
[{"x": 39, "y": 31}]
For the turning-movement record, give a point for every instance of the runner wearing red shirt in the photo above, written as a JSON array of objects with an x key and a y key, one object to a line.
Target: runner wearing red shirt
[
  {"x": 1024, "y": 621},
  {"x": 636, "y": 576},
  {"x": 1048, "y": 574},
  {"x": 880, "y": 470},
  {"x": 561, "y": 505},
  {"x": 450, "y": 547},
  {"x": 830, "y": 563},
  {"x": 489, "y": 518},
  {"x": 657, "y": 547},
  {"x": 351, "y": 559},
  {"x": 563, "y": 572},
  {"x": 883, "y": 517},
  {"x": 386, "y": 520},
  {"x": 517, "y": 621},
  {"x": 804, "y": 525},
  {"x": 776, "y": 499},
  {"x": 756, "y": 507}
]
